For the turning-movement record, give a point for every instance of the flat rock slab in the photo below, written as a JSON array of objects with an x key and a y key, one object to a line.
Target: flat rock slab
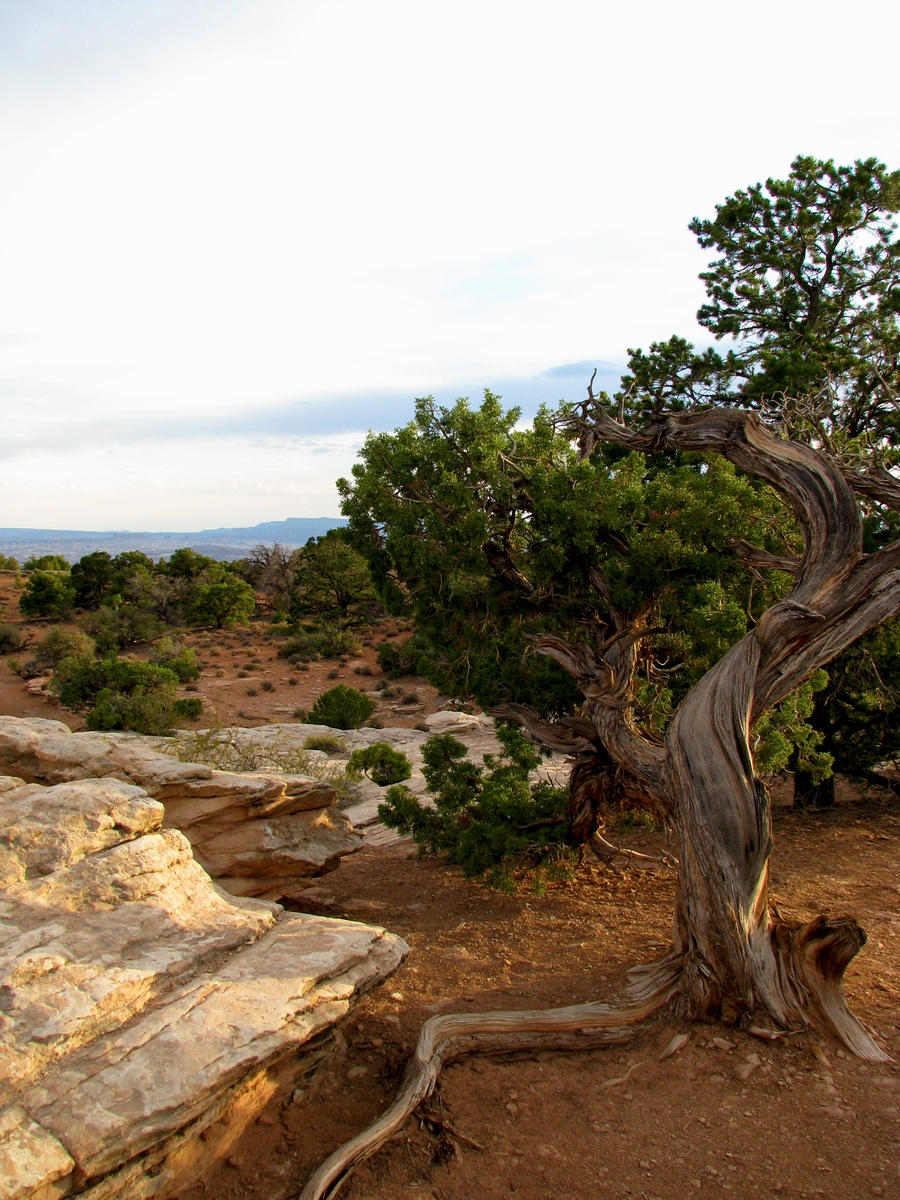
[
  {"x": 138, "y": 1000},
  {"x": 260, "y": 834}
]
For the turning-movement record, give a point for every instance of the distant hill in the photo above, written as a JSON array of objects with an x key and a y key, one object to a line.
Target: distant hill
[{"x": 224, "y": 543}]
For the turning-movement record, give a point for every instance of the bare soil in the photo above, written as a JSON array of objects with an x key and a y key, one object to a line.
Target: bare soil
[{"x": 727, "y": 1113}]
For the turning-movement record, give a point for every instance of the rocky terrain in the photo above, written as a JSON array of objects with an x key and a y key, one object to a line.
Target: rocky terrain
[{"x": 140, "y": 1003}]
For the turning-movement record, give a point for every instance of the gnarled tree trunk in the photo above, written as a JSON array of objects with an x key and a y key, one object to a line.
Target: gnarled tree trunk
[{"x": 737, "y": 954}]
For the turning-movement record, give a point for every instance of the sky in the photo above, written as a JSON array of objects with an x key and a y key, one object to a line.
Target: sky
[{"x": 235, "y": 235}]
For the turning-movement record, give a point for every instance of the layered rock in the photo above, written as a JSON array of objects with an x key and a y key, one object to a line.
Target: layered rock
[
  {"x": 257, "y": 834},
  {"x": 139, "y": 1003}
]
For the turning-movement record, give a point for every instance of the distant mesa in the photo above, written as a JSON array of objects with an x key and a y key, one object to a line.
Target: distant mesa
[{"x": 223, "y": 543}]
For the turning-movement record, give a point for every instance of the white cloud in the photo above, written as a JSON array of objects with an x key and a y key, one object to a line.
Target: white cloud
[{"x": 317, "y": 198}]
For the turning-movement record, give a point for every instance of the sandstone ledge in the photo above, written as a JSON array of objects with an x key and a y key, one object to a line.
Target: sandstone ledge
[
  {"x": 259, "y": 834},
  {"x": 139, "y": 1002}
]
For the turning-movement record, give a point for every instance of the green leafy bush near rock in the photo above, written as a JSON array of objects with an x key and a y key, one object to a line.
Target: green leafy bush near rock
[
  {"x": 382, "y": 763},
  {"x": 116, "y": 693},
  {"x": 11, "y": 638},
  {"x": 341, "y": 707},
  {"x": 491, "y": 820}
]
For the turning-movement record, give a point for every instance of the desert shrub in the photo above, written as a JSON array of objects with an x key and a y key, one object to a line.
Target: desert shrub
[
  {"x": 63, "y": 643},
  {"x": 30, "y": 669},
  {"x": 224, "y": 601},
  {"x": 47, "y": 594},
  {"x": 7, "y": 563},
  {"x": 399, "y": 660},
  {"x": 267, "y": 685},
  {"x": 45, "y": 562},
  {"x": 491, "y": 820},
  {"x": 328, "y": 640},
  {"x": 382, "y": 763},
  {"x": 116, "y": 693},
  {"x": 113, "y": 627},
  {"x": 341, "y": 707},
  {"x": 326, "y": 742},
  {"x": 189, "y": 708},
  {"x": 11, "y": 638},
  {"x": 173, "y": 653}
]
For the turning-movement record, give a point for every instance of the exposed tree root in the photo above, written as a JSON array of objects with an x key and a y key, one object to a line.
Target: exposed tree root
[
  {"x": 805, "y": 967},
  {"x": 451, "y": 1036}
]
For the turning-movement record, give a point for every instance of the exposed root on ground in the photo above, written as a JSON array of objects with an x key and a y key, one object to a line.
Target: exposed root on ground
[
  {"x": 451, "y": 1036},
  {"x": 807, "y": 966}
]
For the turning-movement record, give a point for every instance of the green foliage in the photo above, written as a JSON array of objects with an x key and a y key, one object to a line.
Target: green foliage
[
  {"x": 121, "y": 623},
  {"x": 188, "y": 564},
  {"x": 224, "y": 601},
  {"x": 488, "y": 819},
  {"x": 382, "y": 763},
  {"x": 494, "y": 533},
  {"x": 11, "y": 638},
  {"x": 92, "y": 576},
  {"x": 399, "y": 659},
  {"x": 341, "y": 707},
  {"x": 63, "y": 643},
  {"x": 8, "y": 563},
  {"x": 330, "y": 576},
  {"x": 45, "y": 562},
  {"x": 806, "y": 283},
  {"x": 173, "y": 653},
  {"x": 117, "y": 693},
  {"x": 330, "y": 639},
  {"x": 48, "y": 593}
]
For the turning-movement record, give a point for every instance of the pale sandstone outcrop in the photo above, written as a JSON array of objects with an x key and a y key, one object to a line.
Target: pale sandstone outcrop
[
  {"x": 139, "y": 1003},
  {"x": 257, "y": 834}
]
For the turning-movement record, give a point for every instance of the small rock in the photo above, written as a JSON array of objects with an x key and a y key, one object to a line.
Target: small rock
[
  {"x": 743, "y": 1070},
  {"x": 723, "y": 1043},
  {"x": 678, "y": 1040}
]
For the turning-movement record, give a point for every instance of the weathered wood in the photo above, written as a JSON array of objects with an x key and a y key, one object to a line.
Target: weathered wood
[{"x": 451, "y": 1036}]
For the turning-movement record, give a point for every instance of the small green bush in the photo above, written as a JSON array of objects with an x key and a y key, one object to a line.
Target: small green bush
[
  {"x": 11, "y": 639},
  {"x": 341, "y": 707},
  {"x": 326, "y": 742},
  {"x": 63, "y": 643},
  {"x": 329, "y": 640},
  {"x": 173, "y": 653},
  {"x": 382, "y": 763},
  {"x": 491, "y": 820},
  {"x": 116, "y": 693},
  {"x": 47, "y": 594}
]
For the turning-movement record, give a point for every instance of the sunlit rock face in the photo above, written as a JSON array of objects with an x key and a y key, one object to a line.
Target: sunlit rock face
[
  {"x": 139, "y": 1002},
  {"x": 257, "y": 834}
]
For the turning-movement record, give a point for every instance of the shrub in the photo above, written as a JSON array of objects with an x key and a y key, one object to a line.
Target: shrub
[
  {"x": 382, "y": 763},
  {"x": 329, "y": 640},
  {"x": 172, "y": 653},
  {"x": 7, "y": 563},
  {"x": 115, "y": 627},
  {"x": 341, "y": 707},
  {"x": 63, "y": 643},
  {"x": 45, "y": 562},
  {"x": 11, "y": 639},
  {"x": 400, "y": 660},
  {"x": 47, "y": 594},
  {"x": 119, "y": 694},
  {"x": 489, "y": 820},
  {"x": 326, "y": 742}
]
